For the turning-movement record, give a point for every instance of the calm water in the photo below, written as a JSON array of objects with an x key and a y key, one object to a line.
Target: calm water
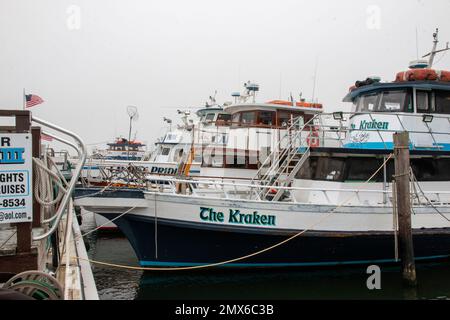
[{"x": 433, "y": 278}]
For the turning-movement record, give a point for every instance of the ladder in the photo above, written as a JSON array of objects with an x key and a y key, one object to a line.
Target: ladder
[{"x": 285, "y": 161}]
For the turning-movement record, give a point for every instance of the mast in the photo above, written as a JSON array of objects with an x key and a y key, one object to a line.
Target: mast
[{"x": 433, "y": 52}]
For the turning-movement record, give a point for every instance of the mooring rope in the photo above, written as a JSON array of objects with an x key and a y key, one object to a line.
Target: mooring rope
[
  {"x": 416, "y": 183},
  {"x": 109, "y": 221},
  {"x": 120, "y": 266}
]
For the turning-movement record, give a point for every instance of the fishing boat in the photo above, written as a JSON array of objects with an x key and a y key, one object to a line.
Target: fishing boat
[
  {"x": 324, "y": 196},
  {"x": 122, "y": 149}
]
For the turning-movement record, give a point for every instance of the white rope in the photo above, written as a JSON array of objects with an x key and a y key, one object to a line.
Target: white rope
[
  {"x": 43, "y": 187},
  {"x": 414, "y": 181},
  {"x": 109, "y": 221}
]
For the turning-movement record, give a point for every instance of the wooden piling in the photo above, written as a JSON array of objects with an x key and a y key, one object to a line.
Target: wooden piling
[{"x": 402, "y": 164}]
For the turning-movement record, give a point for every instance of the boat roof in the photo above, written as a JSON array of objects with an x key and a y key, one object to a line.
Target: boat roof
[
  {"x": 204, "y": 111},
  {"x": 126, "y": 143},
  {"x": 427, "y": 85},
  {"x": 272, "y": 106}
]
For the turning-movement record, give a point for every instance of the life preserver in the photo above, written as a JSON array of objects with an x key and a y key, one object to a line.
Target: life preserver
[{"x": 313, "y": 139}]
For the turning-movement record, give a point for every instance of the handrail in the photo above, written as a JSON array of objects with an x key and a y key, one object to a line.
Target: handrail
[
  {"x": 279, "y": 145},
  {"x": 253, "y": 186},
  {"x": 73, "y": 181}
]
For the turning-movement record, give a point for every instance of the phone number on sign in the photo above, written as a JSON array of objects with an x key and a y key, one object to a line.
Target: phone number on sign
[
  {"x": 5, "y": 216},
  {"x": 9, "y": 203}
]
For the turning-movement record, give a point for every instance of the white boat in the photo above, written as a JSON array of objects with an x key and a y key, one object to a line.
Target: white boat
[{"x": 323, "y": 195}]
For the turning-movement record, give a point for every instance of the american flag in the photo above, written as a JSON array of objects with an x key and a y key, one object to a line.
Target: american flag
[{"x": 32, "y": 100}]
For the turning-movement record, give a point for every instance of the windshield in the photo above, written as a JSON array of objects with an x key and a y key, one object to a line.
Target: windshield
[{"x": 387, "y": 101}]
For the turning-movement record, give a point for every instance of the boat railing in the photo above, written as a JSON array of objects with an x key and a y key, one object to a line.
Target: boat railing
[
  {"x": 296, "y": 194},
  {"x": 293, "y": 136},
  {"x": 338, "y": 135}
]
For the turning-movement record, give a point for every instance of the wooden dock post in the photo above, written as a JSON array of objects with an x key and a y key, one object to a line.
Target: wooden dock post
[{"x": 402, "y": 163}]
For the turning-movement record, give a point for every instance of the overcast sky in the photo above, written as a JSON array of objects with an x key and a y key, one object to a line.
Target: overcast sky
[{"x": 90, "y": 59}]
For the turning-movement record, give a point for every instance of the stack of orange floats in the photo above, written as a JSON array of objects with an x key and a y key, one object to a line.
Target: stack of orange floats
[
  {"x": 419, "y": 75},
  {"x": 423, "y": 75},
  {"x": 298, "y": 104}
]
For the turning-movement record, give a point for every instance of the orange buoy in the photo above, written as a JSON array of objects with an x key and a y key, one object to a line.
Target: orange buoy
[
  {"x": 401, "y": 76},
  {"x": 421, "y": 75},
  {"x": 445, "y": 76}
]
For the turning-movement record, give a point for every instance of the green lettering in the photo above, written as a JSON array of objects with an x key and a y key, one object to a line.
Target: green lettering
[
  {"x": 204, "y": 213},
  {"x": 233, "y": 216},
  {"x": 271, "y": 220},
  {"x": 256, "y": 217},
  {"x": 264, "y": 219}
]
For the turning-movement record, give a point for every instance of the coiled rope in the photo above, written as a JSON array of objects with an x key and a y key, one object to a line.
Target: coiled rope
[
  {"x": 120, "y": 266},
  {"x": 43, "y": 186}
]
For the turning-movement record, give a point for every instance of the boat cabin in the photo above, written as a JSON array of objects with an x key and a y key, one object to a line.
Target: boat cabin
[
  {"x": 418, "y": 101},
  {"x": 276, "y": 114},
  {"x": 122, "y": 149}
]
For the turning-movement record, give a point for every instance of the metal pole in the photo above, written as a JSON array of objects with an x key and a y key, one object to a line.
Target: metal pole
[
  {"x": 401, "y": 151},
  {"x": 65, "y": 200},
  {"x": 129, "y": 138}
]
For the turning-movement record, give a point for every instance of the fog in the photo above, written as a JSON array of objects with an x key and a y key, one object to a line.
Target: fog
[{"x": 90, "y": 59}]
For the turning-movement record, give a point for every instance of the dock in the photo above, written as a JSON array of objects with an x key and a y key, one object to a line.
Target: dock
[{"x": 42, "y": 252}]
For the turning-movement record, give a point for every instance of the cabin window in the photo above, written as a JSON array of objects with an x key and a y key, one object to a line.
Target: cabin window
[
  {"x": 248, "y": 118},
  {"x": 367, "y": 103},
  {"x": 423, "y": 102},
  {"x": 235, "y": 161},
  {"x": 387, "y": 101},
  {"x": 361, "y": 169},
  {"x": 442, "y": 166},
  {"x": 424, "y": 169},
  {"x": 165, "y": 151},
  {"x": 308, "y": 169},
  {"x": 330, "y": 169},
  {"x": 224, "y": 118},
  {"x": 210, "y": 117},
  {"x": 392, "y": 101},
  {"x": 266, "y": 118},
  {"x": 284, "y": 118},
  {"x": 442, "y": 101},
  {"x": 236, "y": 119}
]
